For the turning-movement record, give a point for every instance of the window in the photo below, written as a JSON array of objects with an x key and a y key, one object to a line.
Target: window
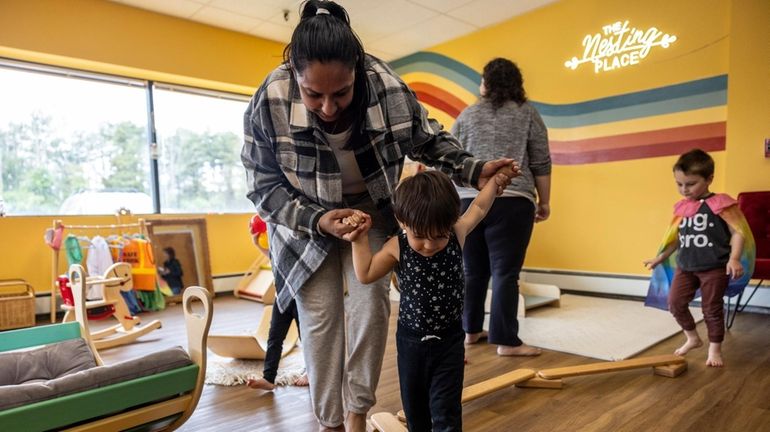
[
  {"x": 74, "y": 142},
  {"x": 64, "y": 134},
  {"x": 200, "y": 136}
]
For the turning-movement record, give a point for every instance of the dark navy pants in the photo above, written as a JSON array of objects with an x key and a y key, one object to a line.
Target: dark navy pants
[
  {"x": 430, "y": 372},
  {"x": 496, "y": 248}
]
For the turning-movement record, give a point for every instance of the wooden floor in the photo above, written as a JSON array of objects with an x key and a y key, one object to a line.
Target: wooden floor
[{"x": 735, "y": 398}]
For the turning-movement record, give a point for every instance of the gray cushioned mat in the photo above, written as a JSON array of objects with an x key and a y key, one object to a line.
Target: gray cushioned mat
[
  {"x": 45, "y": 363},
  {"x": 100, "y": 376}
]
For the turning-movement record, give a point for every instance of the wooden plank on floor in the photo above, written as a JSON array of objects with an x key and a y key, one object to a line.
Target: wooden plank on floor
[
  {"x": 491, "y": 385},
  {"x": 605, "y": 367}
]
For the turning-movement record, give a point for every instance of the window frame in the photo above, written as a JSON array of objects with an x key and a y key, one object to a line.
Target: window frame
[{"x": 149, "y": 86}]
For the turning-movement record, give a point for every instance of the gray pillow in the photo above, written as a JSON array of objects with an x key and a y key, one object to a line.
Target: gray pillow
[
  {"x": 101, "y": 376},
  {"x": 45, "y": 363}
]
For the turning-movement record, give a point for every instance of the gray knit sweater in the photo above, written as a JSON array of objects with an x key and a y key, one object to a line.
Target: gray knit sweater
[{"x": 511, "y": 131}]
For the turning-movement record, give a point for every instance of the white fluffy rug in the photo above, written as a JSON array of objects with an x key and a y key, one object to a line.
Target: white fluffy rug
[
  {"x": 231, "y": 372},
  {"x": 600, "y": 328}
]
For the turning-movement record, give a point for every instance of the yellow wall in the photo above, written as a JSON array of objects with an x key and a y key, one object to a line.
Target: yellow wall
[
  {"x": 748, "y": 96},
  {"x": 608, "y": 217},
  {"x": 25, "y": 255},
  {"x": 108, "y": 37},
  {"x": 103, "y": 36}
]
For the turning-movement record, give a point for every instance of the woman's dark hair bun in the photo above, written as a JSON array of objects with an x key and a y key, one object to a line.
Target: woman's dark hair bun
[{"x": 309, "y": 9}]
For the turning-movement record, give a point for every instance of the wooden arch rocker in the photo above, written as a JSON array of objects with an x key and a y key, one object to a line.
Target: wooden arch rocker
[
  {"x": 117, "y": 278},
  {"x": 253, "y": 346},
  {"x": 159, "y": 401}
]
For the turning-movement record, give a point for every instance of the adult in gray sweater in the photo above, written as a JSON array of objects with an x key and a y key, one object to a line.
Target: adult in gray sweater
[{"x": 503, "y": 124}]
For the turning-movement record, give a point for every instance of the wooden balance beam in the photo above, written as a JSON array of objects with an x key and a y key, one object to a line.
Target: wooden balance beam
[
  {"x": 497, "y": 383},
  {"x": 616, "y": 366},
  {"x": 664, "y": 365}
]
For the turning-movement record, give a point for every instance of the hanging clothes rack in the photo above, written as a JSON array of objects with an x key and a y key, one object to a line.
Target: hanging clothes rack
[{"x": 141, "y": 224}]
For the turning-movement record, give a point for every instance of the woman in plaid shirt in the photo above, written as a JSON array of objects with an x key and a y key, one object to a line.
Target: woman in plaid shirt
[{"x": 327, "y": 133}]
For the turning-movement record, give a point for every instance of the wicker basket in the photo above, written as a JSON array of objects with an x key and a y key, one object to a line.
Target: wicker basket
[{"x": 17, "y": 304}]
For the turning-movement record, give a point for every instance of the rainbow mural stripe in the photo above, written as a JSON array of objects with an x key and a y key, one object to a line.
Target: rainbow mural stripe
[{"x": 662, "y": 121}]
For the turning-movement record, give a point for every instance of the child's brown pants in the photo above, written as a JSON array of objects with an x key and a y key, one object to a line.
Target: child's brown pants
[{"x": 712, "y": 284}]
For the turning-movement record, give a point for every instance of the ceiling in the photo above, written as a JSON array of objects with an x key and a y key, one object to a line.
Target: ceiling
[{"x": 389, "y": 29}]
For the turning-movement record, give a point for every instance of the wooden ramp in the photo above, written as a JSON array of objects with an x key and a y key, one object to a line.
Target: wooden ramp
[
  {"x": 253, "y": 346},
  {"x": 257, "y": 284}
]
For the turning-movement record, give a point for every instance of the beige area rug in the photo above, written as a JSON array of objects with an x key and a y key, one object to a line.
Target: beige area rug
[
  {"x": 231, "y": 372},
  {"x": 604, "y": 329}
]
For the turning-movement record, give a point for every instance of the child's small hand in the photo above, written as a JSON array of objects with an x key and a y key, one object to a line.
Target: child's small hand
[
  {"x": 355, "y": 219},
  {"x": 363, "y": 223},
  {"x": 652, "y": 262},
  {"x": 734, "y": 269}
]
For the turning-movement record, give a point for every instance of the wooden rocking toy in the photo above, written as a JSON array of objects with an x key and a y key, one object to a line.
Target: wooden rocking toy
[
  {"x": 117, "y": 278},
  {"x": 257, "y": 284},
  {"x": 253, "y": 346}
]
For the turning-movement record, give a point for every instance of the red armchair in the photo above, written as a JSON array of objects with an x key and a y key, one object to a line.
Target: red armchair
[{"x": 756, "y": 207}]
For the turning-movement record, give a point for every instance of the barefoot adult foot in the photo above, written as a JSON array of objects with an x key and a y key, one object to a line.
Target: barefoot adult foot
[
  {"x": 521, "y": 350},
  {"x": 472, "y": 338},
  {"x": 302, "y": 381},
  {"x": 355, "y": 422},
  {"x": 260, "y": 384},
  {"x": 693, "y": 341},
  {"x": 715, "y": 355}
]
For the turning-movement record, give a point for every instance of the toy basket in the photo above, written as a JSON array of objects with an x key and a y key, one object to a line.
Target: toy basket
[{"x": 17, "y": 304}]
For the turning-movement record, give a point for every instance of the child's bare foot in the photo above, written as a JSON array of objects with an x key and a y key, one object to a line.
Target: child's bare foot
[
  {"x": 472, "y": 338},
  {"x": 521, "y": 350},
  {"x": 260, "y": 384},
  {"x": 715, "y": 355},
  {"x": 355, "y": 422},
  {"x": 693, "y": 341},
  {"x": 302, "y": 381}
]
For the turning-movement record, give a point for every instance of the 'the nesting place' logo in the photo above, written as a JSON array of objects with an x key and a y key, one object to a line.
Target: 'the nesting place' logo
[{"x": 619, "y": 46}]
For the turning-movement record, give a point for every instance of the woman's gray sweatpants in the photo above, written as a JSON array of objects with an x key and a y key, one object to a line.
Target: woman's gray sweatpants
[{"x": 330, "y": 321}]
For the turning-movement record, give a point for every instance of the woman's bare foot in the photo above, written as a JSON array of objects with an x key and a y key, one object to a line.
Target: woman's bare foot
[
  {"x": 521, "y": 350},
  {"x": 693, "y": 341},
  {"x": 472, "y": 338},
  {"x": 355, "y": 422},
  {"x": 302, "y": 381},
  {"x": 340, "y": 428},
  {"x": 715, "y": 355},
  {"x": 260, "y": 384}
]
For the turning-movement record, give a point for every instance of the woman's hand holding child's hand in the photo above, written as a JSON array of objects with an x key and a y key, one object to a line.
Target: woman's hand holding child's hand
[
  {"x": 360, "y": 221},
  {"x": 734, "y": 269},
  {"x": 501, "y": 171}
]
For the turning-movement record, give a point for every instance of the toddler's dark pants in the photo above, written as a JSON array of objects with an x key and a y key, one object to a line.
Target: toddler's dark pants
[
  {"x": 430, "y": 371},
  {"x": 280, "y": 323}
]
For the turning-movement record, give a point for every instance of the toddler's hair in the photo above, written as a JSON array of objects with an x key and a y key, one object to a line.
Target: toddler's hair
[
  {"x": 695, "y": 162},
  {"x": 427, "y": 203}
]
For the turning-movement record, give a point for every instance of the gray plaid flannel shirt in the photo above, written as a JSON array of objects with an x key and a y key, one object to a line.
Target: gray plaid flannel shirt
[{"x": 294, "y": 178}]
